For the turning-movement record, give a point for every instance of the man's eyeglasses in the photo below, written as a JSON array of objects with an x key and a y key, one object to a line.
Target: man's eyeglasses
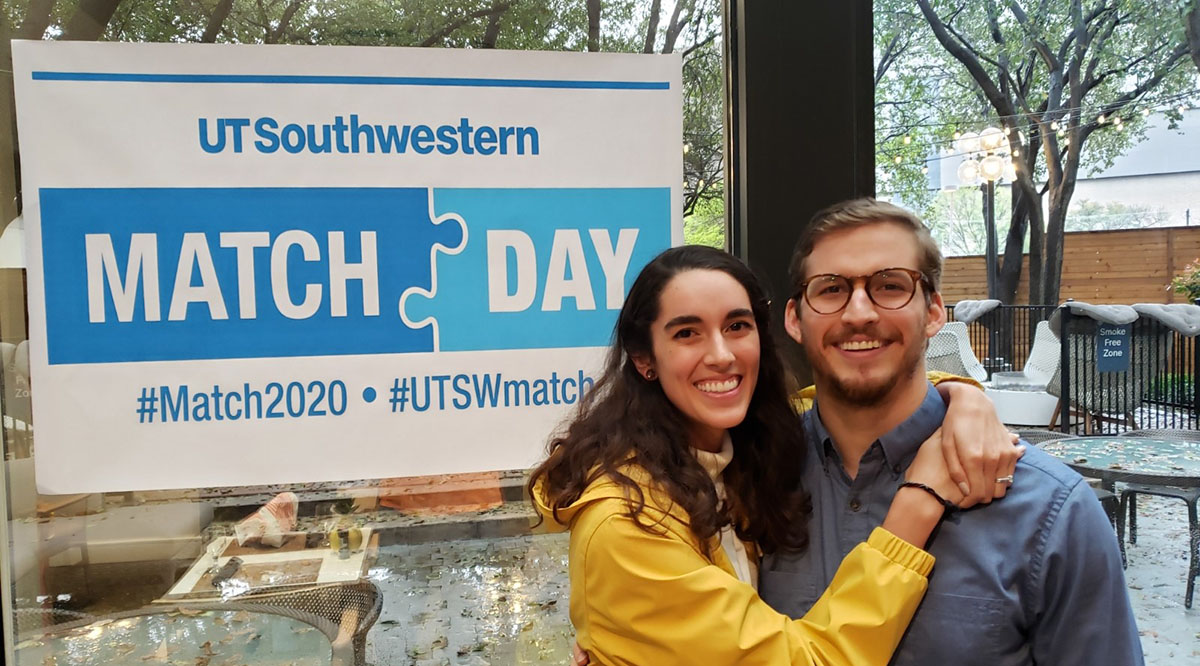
[{"x": 890, "y": 289}]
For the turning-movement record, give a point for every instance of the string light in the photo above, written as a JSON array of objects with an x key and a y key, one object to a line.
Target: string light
[
  {"x": 1101, "y": 119},
  {"x": 1054, "y": 126},
  {"x": 1145, "y": 113},
  {"x": 686, "y": 147},
  {"x": 907, "y": 139},
  {"x": 899, "y": 159}
]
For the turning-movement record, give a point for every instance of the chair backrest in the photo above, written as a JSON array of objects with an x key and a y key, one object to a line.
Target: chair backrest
[
  {"x": 1045, "y": 356},
  {"x": 973, "y": 367},
  {"x": 1115, "y": 391},
  {"x": 942, "y": 355}
]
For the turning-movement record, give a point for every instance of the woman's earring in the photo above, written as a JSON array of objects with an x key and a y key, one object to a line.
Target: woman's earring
[{"x": 651, "y": 375}]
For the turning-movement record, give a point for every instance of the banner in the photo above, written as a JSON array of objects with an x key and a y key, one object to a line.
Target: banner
[{"x": 262, "y": 264}]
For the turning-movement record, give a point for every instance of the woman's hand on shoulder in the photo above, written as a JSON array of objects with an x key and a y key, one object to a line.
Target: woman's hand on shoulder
[{"x": 978, "y": 449}]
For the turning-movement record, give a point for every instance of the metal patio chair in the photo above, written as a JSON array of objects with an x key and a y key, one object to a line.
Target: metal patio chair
[
  {"x": 1189, "y": 496},
  {"x": 1098, "y": 396}
]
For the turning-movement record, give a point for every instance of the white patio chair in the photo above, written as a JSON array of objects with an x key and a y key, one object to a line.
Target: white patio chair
[
  {"x": 1044, "y": 357},
  {"x": 949, "y": 350}
]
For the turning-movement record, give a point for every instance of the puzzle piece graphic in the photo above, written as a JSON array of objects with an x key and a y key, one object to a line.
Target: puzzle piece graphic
[
  {"x": 451, "y": 220},
  {"x": 457, "y": 310}
]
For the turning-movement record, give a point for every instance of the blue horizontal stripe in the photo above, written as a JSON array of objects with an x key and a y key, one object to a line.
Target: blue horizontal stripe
[{"x": 116, "y": 77}]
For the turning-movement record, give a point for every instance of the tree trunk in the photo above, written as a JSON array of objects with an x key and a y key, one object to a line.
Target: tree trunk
[
  {"x": 90, "y": 20},
  {"x": 593, "y": 12},
  {"x": 273, "y": 36},
  {"x": 1193, "y": 32},
  {"x": 652, "y": 27},
  {"x": 676, "y": 25},
  {"x": 37, "y": 19},
  {"x": 1014, "y": 249},
  {"x": 493, "y": 29},
  {"x": 220, "y": 13},
  {"x": 1060, "y": 201},
  {"x": 1037, "y": 241}
]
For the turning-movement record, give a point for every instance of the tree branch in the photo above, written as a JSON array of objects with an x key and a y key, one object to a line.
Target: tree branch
[
  {"x": 1192, "y": 28},
  {"x": 459, "y": 22},
  {"x": 276, "y": 34},
  {"x": 652, "y": 27},
  {"x": 37, "y": 19},
  {"x": 90, "y": 20},
  {"x": 220, "y": 13},
  {"x": 593, "y": 14}
]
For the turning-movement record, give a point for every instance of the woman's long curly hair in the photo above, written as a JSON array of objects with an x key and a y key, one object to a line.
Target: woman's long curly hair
[{"x": 627, "y": 419}]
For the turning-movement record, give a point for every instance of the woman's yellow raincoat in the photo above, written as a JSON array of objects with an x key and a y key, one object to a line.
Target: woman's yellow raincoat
[{"x": 653, "y": 599}]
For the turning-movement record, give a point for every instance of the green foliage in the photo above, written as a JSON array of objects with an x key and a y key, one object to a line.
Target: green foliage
[
  {"x": 1188, "y": 282},
  {"x": 706, "y": 224},
  {"x": 1174, "y": 388},
  {"x": 955, "y": 218},
  {"x": 1100, "y": 215}
]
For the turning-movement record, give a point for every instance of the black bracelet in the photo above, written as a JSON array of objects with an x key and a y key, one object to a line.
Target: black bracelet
[{"x": 947, "y": 504}]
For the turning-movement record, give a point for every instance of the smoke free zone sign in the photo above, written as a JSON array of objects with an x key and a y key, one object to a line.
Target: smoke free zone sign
[{"x": 1112, "y": 348}]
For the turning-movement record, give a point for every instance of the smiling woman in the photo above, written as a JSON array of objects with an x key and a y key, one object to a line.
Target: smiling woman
[{"x": 705, "y": 353}]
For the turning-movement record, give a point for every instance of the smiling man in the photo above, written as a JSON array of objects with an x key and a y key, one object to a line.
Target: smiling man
[{"x": 1034, "y": 578}]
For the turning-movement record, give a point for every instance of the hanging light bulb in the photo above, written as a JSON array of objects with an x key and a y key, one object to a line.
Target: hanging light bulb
[
  {"x": 990, "y": 138},
  {"x": 1101, "y": 119},
  {"x": 686, "y": 148},
  {"x": 1054, "y": 125},
  {"x": 700, "y": 184},
  {"x": 968, "y": 143},
  {"x": 1181, "y": 108},
  {"x": 898, "y": 159},
  {"x": 968, "y": 172},
  {"x": 1120, "y": 127},
  {"x": 991, "y": 167},
  {"x": 957, "y": 135},
  {"x": 907, "y": 139},
  {"x": 1016, "y": 152},
  {"x": 1145, "y": 113},
  {"x": 924, "y": 168}
]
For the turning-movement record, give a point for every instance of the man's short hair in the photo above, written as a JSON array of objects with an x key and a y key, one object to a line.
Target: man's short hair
[{"x": 861, "y": 212}]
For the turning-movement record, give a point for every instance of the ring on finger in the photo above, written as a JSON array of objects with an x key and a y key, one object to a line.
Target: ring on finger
[{"x": 1005, "y": 479}]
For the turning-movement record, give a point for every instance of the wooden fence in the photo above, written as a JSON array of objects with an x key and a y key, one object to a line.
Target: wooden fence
[{"x": 1124, "y": 266}]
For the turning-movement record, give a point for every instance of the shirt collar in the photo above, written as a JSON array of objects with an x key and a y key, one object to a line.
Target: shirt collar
[
  {"x": 715, "y": 463},
  {"x": 899, "y": 444}
]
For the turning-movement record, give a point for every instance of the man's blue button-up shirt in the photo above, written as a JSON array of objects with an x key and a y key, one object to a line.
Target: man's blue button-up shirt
[{"x": 1033, "y": 578}]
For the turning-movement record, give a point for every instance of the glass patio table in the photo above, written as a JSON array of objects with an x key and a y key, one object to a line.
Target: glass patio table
[
  {"x": 1163, "y": 462},
  {"x": 181, "y": 636}
]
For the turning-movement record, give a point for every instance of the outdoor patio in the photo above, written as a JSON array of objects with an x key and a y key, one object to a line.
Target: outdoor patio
[{"x": 504, "y": 601}]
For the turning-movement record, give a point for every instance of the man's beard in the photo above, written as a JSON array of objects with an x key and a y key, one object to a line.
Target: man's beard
[{"x": 866, "y": 393}]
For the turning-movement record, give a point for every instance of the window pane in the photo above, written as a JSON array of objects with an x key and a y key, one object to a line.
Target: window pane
[{"x": 464, "y": 579}]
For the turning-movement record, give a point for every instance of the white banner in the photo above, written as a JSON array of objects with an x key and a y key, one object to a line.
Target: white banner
[{"x": 262, "y": 264}]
